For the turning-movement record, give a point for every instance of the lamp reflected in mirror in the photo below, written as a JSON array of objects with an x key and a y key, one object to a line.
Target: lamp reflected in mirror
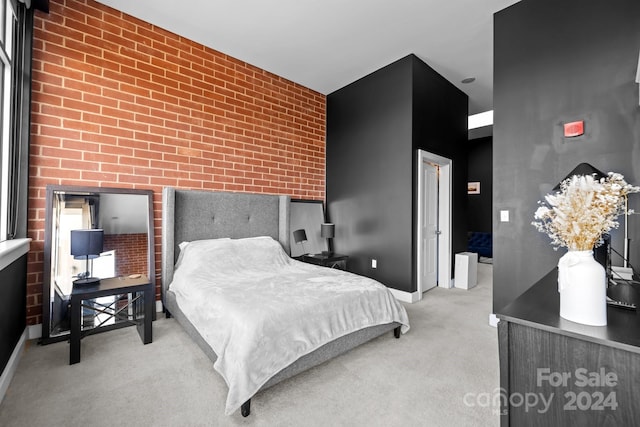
[
  {"x": 86, "y": 244},
  {"x": 300, "y": 236}
]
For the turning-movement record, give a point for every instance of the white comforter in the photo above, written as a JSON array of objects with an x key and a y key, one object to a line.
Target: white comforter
[{"x": 260, "y": 310}]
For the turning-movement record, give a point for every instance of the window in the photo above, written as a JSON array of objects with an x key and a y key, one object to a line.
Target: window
[{"x": 9, "y": 141}]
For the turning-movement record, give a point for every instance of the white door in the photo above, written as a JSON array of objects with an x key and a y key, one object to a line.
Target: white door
[
  {"x": 429, "y": 223},
  {"x": 433, "y": 256}
]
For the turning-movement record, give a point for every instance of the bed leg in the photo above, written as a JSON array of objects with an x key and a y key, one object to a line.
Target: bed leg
[
  {"x": 165, "y": 310},
  {"x": 245, "y": 409},
  {"x": 396, "y": 332}
]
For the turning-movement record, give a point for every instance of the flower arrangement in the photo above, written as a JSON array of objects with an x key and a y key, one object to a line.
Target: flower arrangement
[{"x": 583, "y": 210}]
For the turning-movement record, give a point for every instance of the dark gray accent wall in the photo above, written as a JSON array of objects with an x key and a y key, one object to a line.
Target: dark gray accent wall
[
  {"x": 13, "y": 311},
  {"x": 555, "y": 62},
  {"x": 440, "y": 126},
  {"x": 369, "y": 173},
  {"x": 481, "y": 170},
  {"x": 374, "y": 127}
]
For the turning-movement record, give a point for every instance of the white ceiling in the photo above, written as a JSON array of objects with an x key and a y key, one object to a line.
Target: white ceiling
[{"x": 327, "y": 44}]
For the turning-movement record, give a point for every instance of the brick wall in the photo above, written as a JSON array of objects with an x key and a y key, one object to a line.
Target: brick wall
[
  {"x": 130, "y": 252},
  {"x": 118, "y": 102}
]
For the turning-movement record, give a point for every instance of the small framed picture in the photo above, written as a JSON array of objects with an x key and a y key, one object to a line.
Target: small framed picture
[{"x": 473, "y": 188}]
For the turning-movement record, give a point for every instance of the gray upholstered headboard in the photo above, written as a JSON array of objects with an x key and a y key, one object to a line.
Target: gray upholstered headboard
[{"x": 189, "y": 215}]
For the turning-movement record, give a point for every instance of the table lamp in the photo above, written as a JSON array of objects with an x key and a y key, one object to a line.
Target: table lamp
[
  {"x": 86, "y": 244},
  {"x": 328, "y": 231}
]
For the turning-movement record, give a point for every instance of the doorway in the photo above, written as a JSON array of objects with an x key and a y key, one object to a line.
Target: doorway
[{"x": 434, "y": 222}]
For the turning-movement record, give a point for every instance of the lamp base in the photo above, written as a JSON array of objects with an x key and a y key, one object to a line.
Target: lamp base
[
  {"x": 327, "y": 253},
  {"x": 87, "y": 281}
]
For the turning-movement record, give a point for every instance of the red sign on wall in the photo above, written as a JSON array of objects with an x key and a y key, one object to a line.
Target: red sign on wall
[{"x": 574, "y": 129}]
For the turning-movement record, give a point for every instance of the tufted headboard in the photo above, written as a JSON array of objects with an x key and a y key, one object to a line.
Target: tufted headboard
[{"x": 189, "y": 215}]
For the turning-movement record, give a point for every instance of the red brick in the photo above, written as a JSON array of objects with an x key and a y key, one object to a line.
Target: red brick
[
  {"x": 99, "y": 176},
  {"x": 116, "y": 168}
]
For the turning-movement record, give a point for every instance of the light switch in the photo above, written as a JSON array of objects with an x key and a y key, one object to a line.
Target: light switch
[
  {"x": 374, "y": 263},
  {"x": 504, "y": 216}
]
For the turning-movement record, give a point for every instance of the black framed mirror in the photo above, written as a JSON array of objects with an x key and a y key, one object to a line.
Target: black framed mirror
[
  {"x": 307, "y": 215},
  {"x": 126, "y": 218}
]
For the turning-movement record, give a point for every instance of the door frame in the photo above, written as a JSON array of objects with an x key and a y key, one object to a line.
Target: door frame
[{"x": 444, "y": 218}]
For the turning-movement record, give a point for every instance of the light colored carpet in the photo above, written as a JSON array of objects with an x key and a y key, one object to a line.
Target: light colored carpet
[{"x": 419, "y": 380}]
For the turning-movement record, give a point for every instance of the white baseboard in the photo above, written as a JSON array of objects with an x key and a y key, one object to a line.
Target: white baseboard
[
  {"x": 404, "y": 296},
  {"x": 446, "y": 285},
  {"x": 493, "y": 320},
  {"x": 158, "y": 306},
  {"x": 12, "y": 365}
]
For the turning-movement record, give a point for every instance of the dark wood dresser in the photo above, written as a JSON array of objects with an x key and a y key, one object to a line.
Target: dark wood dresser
[{"x": 554, "y": 372}]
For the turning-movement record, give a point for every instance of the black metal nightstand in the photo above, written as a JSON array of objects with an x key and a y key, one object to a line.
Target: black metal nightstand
[
  {"x": 332, "y": 260},
  {"x": 141, "y": 303}
]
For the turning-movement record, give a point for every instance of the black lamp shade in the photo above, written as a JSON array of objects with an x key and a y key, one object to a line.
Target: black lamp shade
[
  {"x": 328, "y": 230},
  {"x": 582, "y": 169},
  {"x": 300, "y": 236},
  {"x": 87, "y": 243}
]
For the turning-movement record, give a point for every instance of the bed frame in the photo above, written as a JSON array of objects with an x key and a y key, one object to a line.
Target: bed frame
[{"x": 189, "y": 215}]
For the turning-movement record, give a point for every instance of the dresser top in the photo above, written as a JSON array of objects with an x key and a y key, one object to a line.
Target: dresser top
[{"x": 539, "y": 307}]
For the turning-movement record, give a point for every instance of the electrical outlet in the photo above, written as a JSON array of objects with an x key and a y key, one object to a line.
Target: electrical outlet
[{"x": 374, "y": 263}]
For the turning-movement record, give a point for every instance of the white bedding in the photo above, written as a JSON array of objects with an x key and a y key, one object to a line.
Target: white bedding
[{"x": 260, "y": 310}]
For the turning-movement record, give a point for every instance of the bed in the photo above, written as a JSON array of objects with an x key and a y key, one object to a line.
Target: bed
[{"x": 219, "y": 281}]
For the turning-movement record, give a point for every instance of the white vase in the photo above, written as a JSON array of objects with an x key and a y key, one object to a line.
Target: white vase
[{"x": 583, "y": 288}]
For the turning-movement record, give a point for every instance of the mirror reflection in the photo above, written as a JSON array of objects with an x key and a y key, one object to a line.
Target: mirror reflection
[
  {"x": 307, "y": 215},
  {"x": 111, "y": 229}
]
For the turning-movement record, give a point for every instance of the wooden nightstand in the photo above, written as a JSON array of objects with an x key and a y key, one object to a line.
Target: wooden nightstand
[
  {"x": 141, "y": 303},
  {"x": 333, "y": 260}
]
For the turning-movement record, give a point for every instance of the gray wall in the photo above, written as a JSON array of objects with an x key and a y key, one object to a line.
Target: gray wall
[
  {"x": 374, "y": 127},
  {"x": 554, "y": 62}
]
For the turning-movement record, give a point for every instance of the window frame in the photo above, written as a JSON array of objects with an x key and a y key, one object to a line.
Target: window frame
[{"x": 16, "y": 32}]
